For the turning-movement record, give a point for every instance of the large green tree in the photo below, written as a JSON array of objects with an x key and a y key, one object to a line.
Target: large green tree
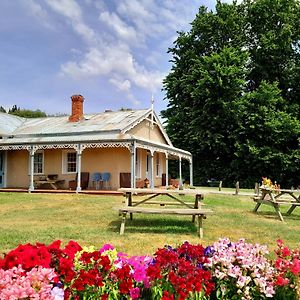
[{"x": 234, "y": 93}]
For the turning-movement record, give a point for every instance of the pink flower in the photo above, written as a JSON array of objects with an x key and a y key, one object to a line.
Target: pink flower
[
  {"x": 135, "y": 293},
  {"x": 279, "y": 242},
  {"x": 106, "y": 247}
]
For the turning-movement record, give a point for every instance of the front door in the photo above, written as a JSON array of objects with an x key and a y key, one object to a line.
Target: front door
[{"x": 2, "y": 166}]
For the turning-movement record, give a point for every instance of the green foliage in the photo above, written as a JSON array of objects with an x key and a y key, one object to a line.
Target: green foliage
[
  {"x": 234, "y": 93},
  {"x": 2, "y": 109},
  {"x": 26, "y": 113}
]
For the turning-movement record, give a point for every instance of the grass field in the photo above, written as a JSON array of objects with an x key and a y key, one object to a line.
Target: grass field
[{"x": 91, "y": 220}]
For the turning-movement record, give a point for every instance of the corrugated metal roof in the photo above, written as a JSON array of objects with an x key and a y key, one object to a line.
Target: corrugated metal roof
[
  {"x": 63, "y": 139},
  {"x": 107, "y": 126},
  {"x": 9, "y": 123},
  {"x": 106, "y": 121}
]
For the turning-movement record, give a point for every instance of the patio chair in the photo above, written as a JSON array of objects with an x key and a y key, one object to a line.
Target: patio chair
[
  {"x": 106, "y": 179},
  {"x": 84, "y": 181},
  {"x": 96, "y": 180}
]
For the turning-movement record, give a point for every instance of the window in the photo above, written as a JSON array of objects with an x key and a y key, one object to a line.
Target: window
[
  {"x": 69, "y": 162},
  {"x": 38, "y": 163}
]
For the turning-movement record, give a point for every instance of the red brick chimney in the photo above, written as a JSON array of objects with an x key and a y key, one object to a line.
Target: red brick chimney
[{"x": 77, "y": 108}]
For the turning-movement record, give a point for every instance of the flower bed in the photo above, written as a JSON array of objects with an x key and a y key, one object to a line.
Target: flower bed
[{"x": 225, "y": 270}]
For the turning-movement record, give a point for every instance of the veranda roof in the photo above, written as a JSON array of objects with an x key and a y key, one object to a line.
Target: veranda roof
[{"x": 106, "y": 127}]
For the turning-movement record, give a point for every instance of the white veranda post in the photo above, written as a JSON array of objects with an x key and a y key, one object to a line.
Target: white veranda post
[
  {"x": 167, "y": 170},
  {"x": 191, "y": 172},
  {"x": 133, "y": 165},
  {"x": 31, "y": 156},
  {"x": 151, "y": 170},
  {"x": 180, "y": 173},
  {"x": 78, "y": 164}
]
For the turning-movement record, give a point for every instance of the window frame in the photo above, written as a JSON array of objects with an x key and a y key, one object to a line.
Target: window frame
[
  {"x": 65, "y": 162},
  {"x": 39, "y": 152}
]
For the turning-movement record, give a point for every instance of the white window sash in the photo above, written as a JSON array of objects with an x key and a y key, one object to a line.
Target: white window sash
[
  {"x": 42, "y": 163},
  {"x": 65, "y": 162}
]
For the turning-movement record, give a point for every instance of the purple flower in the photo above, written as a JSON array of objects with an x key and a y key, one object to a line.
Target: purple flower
[{"x": 208, "y": 251}]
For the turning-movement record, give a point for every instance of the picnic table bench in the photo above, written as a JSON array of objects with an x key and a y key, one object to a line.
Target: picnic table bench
[
  {"x": 200, "y": 213},
  {"x": 275, "y": 199},
  {"x": 50, "y": 181},
  {"x": 190, "y": 209}
]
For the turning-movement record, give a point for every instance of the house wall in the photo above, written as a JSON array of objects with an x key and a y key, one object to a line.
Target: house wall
[
  {"x": 142, "y": 155},
  {"x": 112, "y": 160},
  {"x": 145, "y": 131},
  {"x": 17, "y": 173}
]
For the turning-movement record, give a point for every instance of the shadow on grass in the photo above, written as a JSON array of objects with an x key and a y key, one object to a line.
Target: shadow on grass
[
  {"x": 154, "y": 225},
  {"x": 274, "y": 216}
]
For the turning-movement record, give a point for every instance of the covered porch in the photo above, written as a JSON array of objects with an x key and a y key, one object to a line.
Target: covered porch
[{"x": 139, "y": 159}]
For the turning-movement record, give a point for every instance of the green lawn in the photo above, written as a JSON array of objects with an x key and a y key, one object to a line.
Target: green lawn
[{"x": 91, "y": 220}]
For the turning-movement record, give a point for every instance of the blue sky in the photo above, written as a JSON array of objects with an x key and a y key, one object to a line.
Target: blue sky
[{"x": 113, "y": 52}]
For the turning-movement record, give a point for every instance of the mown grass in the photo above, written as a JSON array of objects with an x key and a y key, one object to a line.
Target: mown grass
[{"x": 91, "y": 220}]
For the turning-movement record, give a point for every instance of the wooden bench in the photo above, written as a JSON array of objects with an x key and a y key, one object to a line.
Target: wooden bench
[{"x": 200, "y": 213}]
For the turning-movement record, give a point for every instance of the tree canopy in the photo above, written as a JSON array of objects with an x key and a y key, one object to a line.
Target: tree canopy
[
  {"x": 25, "y": 113},
  {"x": 234, "y": 94}
]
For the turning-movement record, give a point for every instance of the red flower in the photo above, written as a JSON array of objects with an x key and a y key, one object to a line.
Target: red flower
[
  {"x": 71, "y": 248},
  {"x": 295, "y": 268},
  {"x": 167, "y": 296},
  {"x": 281, "y": 281},
  {"x": 286, "y": 251}
]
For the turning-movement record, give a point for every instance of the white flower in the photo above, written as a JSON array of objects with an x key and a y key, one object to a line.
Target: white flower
[{"x": 57, "y": 293}]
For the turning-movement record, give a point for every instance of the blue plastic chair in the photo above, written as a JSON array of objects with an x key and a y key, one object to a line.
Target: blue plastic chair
[
  {"x": 105, "y": 179},
  {"x": 96, "y": 179}
]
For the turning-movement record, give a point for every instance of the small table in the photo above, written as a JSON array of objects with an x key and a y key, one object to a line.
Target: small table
[
  {"x": 192, "y": 210},
  {"x": 272, "y": 197}
]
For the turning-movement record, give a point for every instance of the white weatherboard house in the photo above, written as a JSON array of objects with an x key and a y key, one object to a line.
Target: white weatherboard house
[{"x": 129, "y": 145}]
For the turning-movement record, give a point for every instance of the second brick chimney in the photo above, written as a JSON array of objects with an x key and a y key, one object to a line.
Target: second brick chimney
[{"x": 77, "y": 108}]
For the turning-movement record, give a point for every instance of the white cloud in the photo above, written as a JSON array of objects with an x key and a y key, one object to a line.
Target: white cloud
[
  {"x": 132, "y": 38},
  {"x": 122, "y": 85},
  {"x": 113, "y": 62},
  {"x": 125, "y": 32},
  {"x": 72, "y": 11},
  {"x": 38, "y": 12},
  {"x": 67, "y": 8}
]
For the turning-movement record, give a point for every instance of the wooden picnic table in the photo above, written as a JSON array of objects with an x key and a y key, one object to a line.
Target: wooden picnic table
[
  {"x": 53, "y": 184},
  {"x": 275, "y": 199},
  {"x": 189, "y": 209}
]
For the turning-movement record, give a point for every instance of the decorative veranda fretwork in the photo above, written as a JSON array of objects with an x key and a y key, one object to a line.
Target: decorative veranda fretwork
[
  {"x": 76, "y": 147},
  {"x": 16, "y": 147},
  {"x": 153, "y": 149},
  {"x": 57, "y": 146},
  {"x": 81, "y": 146},
  {"x": 106, "y": 145}
]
